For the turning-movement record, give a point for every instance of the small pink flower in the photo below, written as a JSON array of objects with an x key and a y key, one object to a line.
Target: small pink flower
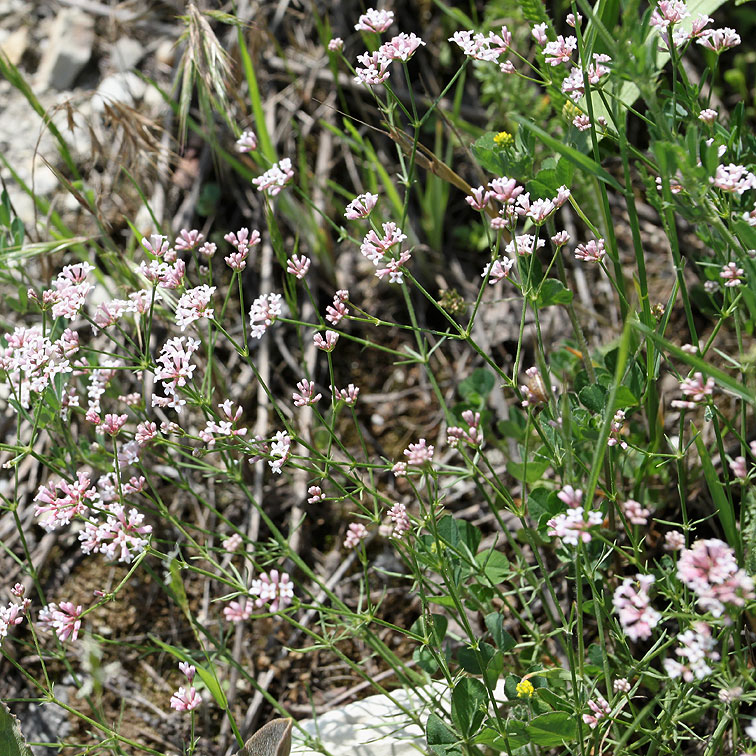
[
  {"x": 572, "y": 21},
  {"x": 375, "y": 69},
  {"x": 275, "y": 178},
  {"x": 539, "y": 34},
  {"x": 479, "y": 198},
  {"x": 621, "y": 685},
  {"x": 275, "y": 588},
  {"x": 316, "y": 495},
  {"x": 263, "y": 313},
  {"x": 298, "y": 266},
  {"x": 188, "y": 670},
  {"x": 572, "y": 526},
  {"x": 633, "y": 605},
  {"x": 247, "y": 142},
  {"x": 732, "y": 275},
  {"x": 581, "y": 122},
  {"x": 719, "y": 40},
  {"x": 498, "y": 270},
  {"x": 348, "y": 395},
  {"x": 112, "y": 424},
  {"x": 635, "y": 512},
  {"x": 560, "y": 51},
  {"x": 402, "y": 47},
  {"x": 708, "y": 116},
  {"x": 738, "y": 467},
  {"x": 305, "y": 396},
  {"x": 326, "y": 343},
  {"x": 356, "y": 532},
  {"x": 185, "y": 700},
  {"x": 418, "y": 454},
  {"x": 236, "y": 612},
  {"x": 593, "y": 251},
  {"x": 674, "y": 540},
  {"x": 560, "y": 239},
  {"x": 361, "y": 206},
  {"x": 600, "y": 709},
  {"x": 188, "y": 240},
  {"x": 375, "y": 21},
  {"x": 64, "y": 619},
  {"x": 336, "y": 44},
  {"x": 398, "y": 515},
  {"x": 571, "y": 497}
]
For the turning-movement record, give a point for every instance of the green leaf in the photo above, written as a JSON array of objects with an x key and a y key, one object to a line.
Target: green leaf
[
  {"x": 480, "y": 382},
  {"x": 495, "y": 625},
  {"x": 494, "y": 565},
  {"x": 437, "y": 733},
  {"x": 593, "y": 396},
  {"x": 12, "y": 742},
  {"x": 551, "y": 730},
  {"x": 176, "y": 586},
  {"x": 530, "y": 473},
  {"x": 585, "y": 163},
  {"x": 553, "y": 292},
  {"x": 425, "y": 659},
  {"x": 494, "y": 670},
  {"x": 469, "y": 703},
  {"x": 475, "y": 661},
  {"x": 489, "y": 154},
  {"x": 722, "y": 502}
]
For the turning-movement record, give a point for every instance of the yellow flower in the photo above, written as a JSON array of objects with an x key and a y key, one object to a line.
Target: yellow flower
[
  {"x": 503, "y": 139},
  {"x": 524, "y": 689}
]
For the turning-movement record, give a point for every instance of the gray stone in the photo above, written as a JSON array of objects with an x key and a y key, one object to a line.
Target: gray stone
[
  {"x": 69, "y": 48},
  {"x": 125, "y": 87},
  {"x": 126, "y": 54}
]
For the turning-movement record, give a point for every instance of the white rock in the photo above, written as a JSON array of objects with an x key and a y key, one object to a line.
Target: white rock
[
  {"x": 69, "y": 48},
  {"x": 126, "y": 54},
  {"x": 376, "y": 726},
  {"x": 125, "y": 87},
  {"x": 14, "y": 44}
]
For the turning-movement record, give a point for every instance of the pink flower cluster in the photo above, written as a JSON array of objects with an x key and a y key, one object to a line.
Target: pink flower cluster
[
  {"x": 473, "y": 436},
  {"x": 121, "y": 534},
  {"x": 710, "y": 570},
  {"x": 32, "y": 361},
  {"x": 13, "y": 613},
  {"x": 697, "y": 648},
  {"x": 69, "y": 291},
  {"x": 600, "y": 708},
  {"x": 419, "y": 454},
  {"x": 356, "y": 532},
  {"x": 64, "y": 619},
  {"x": 193, "y": 305},
  {"x": 174, "y": 370},
  {"x": 242, "y": 241},
  {"x": 490, "y": 47},
  {"x": 695, "y": 390},
  {"x": 574, "y": 525},
  {"x": 263, "y": 313},
  {"x": 375, "y": 66},
  {"x": 633, "y": 605},
  {"x": 377, "y": 248},
  {"x": 275, "y": 178},
  {"x": 58, "y": 503},
  {"x": 274, "y": 588},
  {"x": 400, "y": 519},
  {"x": 226, "y": 427}
]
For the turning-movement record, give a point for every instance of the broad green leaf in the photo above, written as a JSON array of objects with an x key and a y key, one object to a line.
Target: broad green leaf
[
  {"x": 593, "y": 397},
  {"x": 480, "y": 382},
  {"x": 553, "y": 292},
  {"x": 12, "y": 742},
  {"x": 530, "y": 473},
  {"x": 469, "y": 703},
  {"x": 494, "y": 565},
  {"x": 551, "y": 730},
  {"x": 437, "y": 733},
  {"x": 474, "y": 660},
  {"x": 495, "y": 625}
]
